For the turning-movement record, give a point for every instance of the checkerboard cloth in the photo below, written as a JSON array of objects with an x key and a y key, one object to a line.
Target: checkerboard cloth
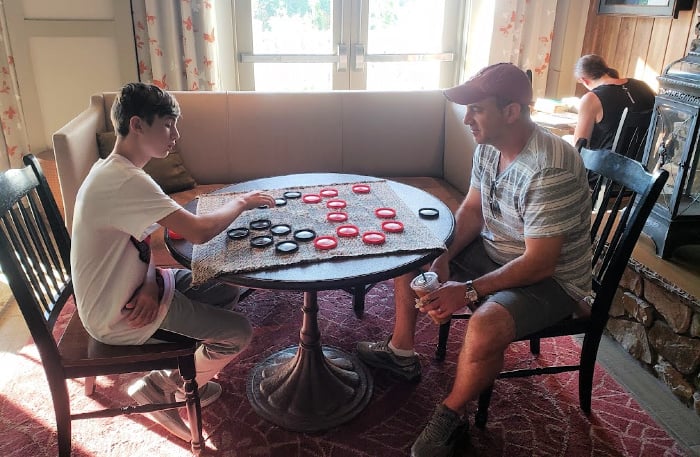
[{"x": 223, "y": 255}]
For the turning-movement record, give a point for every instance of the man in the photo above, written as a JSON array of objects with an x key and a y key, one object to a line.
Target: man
[
  {"x": 520, "y": 258},
  {"x": 122, "y": 298}
]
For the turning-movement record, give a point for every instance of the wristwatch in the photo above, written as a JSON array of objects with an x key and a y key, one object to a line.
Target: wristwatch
[{"x": 471, "y": 295}]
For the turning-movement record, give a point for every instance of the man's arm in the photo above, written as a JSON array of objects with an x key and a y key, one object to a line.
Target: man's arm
[
  {"x": 537, "y": 263},
  {"x": 468, "y": 224}
]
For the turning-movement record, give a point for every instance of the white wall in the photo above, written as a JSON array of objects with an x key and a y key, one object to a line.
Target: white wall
[{"x": 64, "y": 51}]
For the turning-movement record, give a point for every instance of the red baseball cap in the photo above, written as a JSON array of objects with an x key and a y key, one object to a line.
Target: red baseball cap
[{"x": 503, "y": 80}]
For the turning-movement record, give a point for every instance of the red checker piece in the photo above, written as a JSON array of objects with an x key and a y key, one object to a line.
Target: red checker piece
[
  {"x": 385, "y": 213},
  {"x": 347, "y": 231},
  {"x": 311, "y": 198},
  {"x": 361, "y": 188},
  {"x": 328, "y": 192},
  {"x": 392, "y": 226},
  {"x": 325, "y": 242},
  {"x": 336, "y": 204},
  {"x": 336, "y": 217},
  {"x": 174, "y": 235},
  {"x": 373, "y": 238}
]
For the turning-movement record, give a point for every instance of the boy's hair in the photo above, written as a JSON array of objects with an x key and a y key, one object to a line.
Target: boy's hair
[{"x": 143, "y": 100}]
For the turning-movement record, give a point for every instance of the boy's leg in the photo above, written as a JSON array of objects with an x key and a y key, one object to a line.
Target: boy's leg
[{"x": 202, "y": 312}]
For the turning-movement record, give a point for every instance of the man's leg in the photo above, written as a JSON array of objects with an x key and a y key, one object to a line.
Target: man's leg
[
  {"x": 489, "y": 332},
  {"x": 505, "y": 316},
  {"x": 396, "y": 353},
  {"x": 406, "y": 313}
]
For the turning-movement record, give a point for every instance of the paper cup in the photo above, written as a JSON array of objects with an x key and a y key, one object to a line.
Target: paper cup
[{"x": 422, "y": 285}]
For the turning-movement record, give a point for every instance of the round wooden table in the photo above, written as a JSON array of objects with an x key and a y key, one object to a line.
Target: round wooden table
[{"x": 308, "y": 387}]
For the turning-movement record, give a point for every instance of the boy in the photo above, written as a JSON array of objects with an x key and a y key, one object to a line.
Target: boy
[{"x": 122, "y": 298}]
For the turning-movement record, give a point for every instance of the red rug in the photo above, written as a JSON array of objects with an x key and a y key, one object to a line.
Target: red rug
[{"x": 536, "y": 416}]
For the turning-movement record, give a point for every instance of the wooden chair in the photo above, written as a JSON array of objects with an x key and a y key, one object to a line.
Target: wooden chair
[
  {"x": 631, "y": 134},
  {"x": 35, "y": 257},
  {"x": 615, "y": 228}
]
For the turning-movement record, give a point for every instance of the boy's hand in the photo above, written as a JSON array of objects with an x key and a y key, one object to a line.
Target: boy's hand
[
  {"x": 143, "y": 306},
  {"x": 257, "y": 198}
]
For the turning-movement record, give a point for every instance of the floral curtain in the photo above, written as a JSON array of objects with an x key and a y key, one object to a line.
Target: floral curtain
[
  {"x": 14, "y": 143},
  {"x": 522, "y": 35},
  {"x": 176, "y": 43}
]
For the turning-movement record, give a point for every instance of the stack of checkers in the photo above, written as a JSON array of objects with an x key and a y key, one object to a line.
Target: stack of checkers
[{"x": 264, "y": 238}]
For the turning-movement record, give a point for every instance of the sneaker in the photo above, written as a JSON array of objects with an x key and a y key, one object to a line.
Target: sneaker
[
  {"x": 208, "y": 393},
  {"x": 170, "y": 382},
  {"x": 145, "y": 392},
  {"x": 379, "y": 355},
  {"x": 440, "y": 436}
]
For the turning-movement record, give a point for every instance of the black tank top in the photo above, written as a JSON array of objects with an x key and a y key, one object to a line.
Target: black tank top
[{"x": 635, "y": 95}]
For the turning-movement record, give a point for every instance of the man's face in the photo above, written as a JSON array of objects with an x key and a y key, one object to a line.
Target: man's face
[{"x": 486, "y": 120}]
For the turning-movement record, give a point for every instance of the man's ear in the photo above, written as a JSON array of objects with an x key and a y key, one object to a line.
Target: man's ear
[{"x": 512, "y": 112}]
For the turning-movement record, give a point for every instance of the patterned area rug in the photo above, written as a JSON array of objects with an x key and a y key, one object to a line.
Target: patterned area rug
[{"x": 537, "y": 416}]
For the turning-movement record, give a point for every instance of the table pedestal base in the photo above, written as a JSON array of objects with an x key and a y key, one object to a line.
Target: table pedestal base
[{"x": 309, "y": 389}]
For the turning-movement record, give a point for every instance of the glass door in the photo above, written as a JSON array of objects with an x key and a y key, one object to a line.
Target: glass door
[{"x": 301, "y": 45}]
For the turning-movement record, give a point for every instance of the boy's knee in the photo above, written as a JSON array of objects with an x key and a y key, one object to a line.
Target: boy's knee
[{"x": 241, "y": 333}]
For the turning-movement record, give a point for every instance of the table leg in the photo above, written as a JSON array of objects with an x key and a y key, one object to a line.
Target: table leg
[{"x": 308, "y": 388}]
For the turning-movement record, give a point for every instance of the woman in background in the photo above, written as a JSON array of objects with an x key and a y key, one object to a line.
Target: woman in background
[{"x": 601, "y": 109}]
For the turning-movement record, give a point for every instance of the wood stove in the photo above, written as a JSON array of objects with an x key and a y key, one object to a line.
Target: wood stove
[{"x": 672, "y": 144}]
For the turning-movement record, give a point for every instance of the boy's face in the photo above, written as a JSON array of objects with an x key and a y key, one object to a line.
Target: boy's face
[{"x": 160, "y": 137}]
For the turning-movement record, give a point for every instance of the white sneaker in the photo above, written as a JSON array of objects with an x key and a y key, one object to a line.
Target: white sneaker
[
  {"x": 145, "y": 392},
  {"x": 208, "y": 394}
]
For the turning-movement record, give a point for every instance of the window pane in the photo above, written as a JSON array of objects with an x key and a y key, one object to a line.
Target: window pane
[
  {"x": 404, "y": 27},
  {"x": 287, "y": 77},
  {"x": 403, "y": 75},
  {"x": 292, "y": 27}
]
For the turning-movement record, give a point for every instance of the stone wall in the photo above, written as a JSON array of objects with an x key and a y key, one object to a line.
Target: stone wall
[{"x": 659, "y": 325}]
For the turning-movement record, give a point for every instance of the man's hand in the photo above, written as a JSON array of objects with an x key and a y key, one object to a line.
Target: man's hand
[
  {"x": 143, "y": 306},
  {"x": 443, "y": 302}
]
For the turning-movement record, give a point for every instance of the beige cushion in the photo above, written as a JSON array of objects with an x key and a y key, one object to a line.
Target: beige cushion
[{"x": 170, "y": 173}]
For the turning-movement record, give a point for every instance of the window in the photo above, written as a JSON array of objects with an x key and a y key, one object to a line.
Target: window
[{"x": 298, "y": 45}]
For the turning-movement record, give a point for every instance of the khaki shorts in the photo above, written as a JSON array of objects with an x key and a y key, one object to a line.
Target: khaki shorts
[{"x": 532, "y": 307}]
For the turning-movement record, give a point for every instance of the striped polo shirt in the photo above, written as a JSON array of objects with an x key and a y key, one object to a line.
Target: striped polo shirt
[{"x": 543, "y": 192}]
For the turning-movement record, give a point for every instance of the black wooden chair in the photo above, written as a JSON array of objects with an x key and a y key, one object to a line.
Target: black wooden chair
[
  {"x": 631, "y": 134},
  {"x": 35, "y": 258},
  {"x": 622, "y": 210}
]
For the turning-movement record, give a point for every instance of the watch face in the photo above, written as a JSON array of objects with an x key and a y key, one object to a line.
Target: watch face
[{"x": 471, "y": 294}]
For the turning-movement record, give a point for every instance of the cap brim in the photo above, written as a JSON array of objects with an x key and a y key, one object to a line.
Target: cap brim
[{"x": 464, "y": 95}]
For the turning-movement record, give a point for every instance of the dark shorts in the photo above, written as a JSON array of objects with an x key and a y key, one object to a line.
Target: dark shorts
[{"x": 533, "y": 307}]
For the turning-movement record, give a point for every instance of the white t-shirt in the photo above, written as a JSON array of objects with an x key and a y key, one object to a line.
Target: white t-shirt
[{"x": 117, "y": 200}]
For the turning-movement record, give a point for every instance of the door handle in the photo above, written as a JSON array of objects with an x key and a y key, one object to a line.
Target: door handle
[{"x": 358, "y": 57}]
